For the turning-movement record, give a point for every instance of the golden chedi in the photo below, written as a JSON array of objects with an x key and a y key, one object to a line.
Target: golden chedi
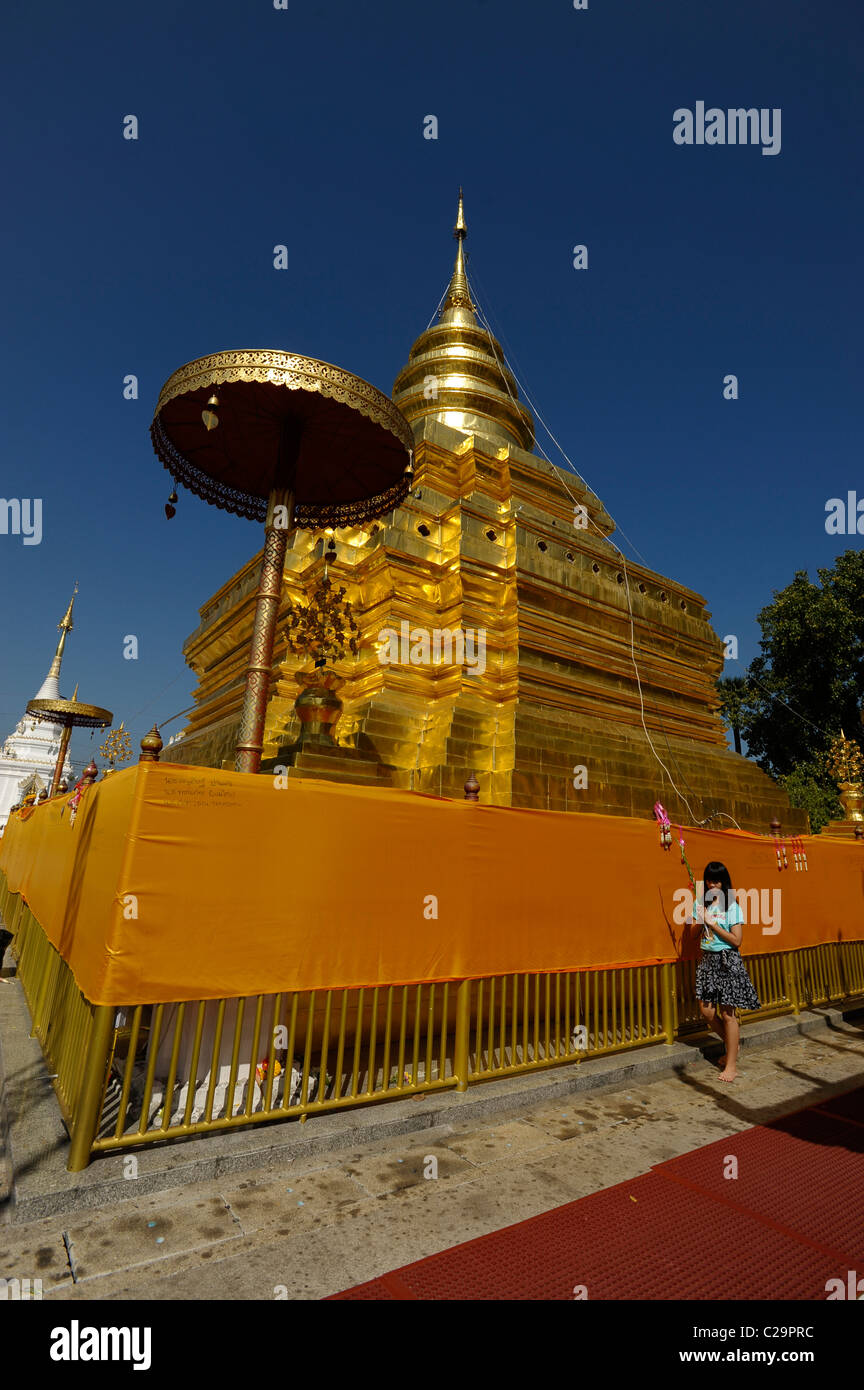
[
  {"x": 844, "y": 763},
  {"x": 495, "y": 634}
]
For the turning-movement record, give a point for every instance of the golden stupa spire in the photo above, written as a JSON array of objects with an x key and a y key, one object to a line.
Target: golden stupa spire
[
  {"x": 64, "y": 626},
  {"x": 50, "y": 688},
  {"x": 65, "y": 623},
  {"x": 456, "y": 373},
  {"x": 458, "y": 293},
  {"x": 461, "y": 228}
]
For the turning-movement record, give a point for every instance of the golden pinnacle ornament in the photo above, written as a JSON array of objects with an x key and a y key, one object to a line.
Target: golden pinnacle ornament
[
  {"x": 324, "y": 628},
  {"x": 117, "y": 748},
  {"x": 845, "y": 764},
  {"x": 845, "y": 761}
]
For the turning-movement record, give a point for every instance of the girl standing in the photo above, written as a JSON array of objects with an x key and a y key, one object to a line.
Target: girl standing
[{"x": 722, "y": 982}]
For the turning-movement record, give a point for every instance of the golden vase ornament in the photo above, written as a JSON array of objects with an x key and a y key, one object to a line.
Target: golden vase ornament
[
  {"x": 318, "y": 707},
  {"x": 851, "y": 796}
]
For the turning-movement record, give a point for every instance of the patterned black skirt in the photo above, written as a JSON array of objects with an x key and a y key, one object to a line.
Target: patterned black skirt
[{"x": 721, "y": 978}]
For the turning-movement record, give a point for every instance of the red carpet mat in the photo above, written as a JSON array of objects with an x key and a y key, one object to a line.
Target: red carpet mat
[
  {"x": 850, "y": 1106},
  {"x": 792, "y": 1218},
  {"x": 803, "y": 1176}
]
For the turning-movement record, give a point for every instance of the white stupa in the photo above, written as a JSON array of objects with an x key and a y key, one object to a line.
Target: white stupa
[{"x": 28, "y": 756}]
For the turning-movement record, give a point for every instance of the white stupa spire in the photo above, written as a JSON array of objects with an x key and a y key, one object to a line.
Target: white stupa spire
[{"x": 28, "y": 756}]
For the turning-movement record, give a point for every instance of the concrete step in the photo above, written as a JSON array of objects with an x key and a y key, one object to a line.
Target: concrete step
[
  {"x": 345, "y": 777},
  {"x": 43, "y": 1188},
  {"x": 340, "y": 759}
]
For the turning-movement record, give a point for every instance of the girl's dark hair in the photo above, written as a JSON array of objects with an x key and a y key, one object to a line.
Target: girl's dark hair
[{"x": 715, "y": 872}]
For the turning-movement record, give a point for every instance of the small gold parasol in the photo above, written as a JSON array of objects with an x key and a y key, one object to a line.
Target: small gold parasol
[
  {"x": 289, "y": 441},
  {"x": 70, "y": 714}
]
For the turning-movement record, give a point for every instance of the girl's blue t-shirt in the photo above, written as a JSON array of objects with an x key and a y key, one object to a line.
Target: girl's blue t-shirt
[{"x": 732, "y": 917}]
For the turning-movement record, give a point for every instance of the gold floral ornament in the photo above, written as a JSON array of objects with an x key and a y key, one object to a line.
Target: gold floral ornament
[
  {"x": 117, "y": 747},
  {"x": 325, "y": 627},
  {"x": 845, "y": 761}
]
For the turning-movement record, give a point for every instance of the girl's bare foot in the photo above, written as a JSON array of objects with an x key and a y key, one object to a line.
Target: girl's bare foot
[
  {"x": 728, "y": 1074},
  {"x": 722, "y": 1062}
]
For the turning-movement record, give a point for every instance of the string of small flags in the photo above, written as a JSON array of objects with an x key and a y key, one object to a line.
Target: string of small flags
[
  {"x": 799, "y": 854},
  {"x": 796, "y": 845},
  {"x": 666, "y": 838}
]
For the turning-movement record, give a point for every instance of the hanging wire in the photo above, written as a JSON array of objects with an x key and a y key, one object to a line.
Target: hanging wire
[
  {"x": 152, "y": 701},
  {"x": 772, "y": 696},
  {"x": 535, "y": 411},
  {"x": 437, "y": 308},
  {"x": 163, "y": 723},
  {"x": 563, "y": 479}
]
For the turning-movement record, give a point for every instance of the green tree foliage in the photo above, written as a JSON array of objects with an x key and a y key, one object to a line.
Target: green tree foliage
[
  {"x": 809, "y": 680},
  {"x": 808, "y": 787},
  {"x": 734, "y": 697}
]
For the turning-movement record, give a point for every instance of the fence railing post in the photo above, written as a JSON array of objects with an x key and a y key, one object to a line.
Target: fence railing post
[
  {"x": 463, "y": 1033},
  {"x": 89, "y": 1104},
  {"x": 791, "y": 978},
  {"x": 48, "y": 962},
  {"x": 667, "y": 983}
]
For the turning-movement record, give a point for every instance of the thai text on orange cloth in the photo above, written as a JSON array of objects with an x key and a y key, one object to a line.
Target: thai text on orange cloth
[{"x": 189, "y": 883}]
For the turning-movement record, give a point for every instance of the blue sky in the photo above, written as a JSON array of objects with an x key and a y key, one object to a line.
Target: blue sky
[{"x": 305, "y": 127}]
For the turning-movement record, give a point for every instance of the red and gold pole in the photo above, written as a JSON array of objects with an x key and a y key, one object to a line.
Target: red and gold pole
[
  {"x": 61, "y": 758},
  {"x": 250, "y": 740}
]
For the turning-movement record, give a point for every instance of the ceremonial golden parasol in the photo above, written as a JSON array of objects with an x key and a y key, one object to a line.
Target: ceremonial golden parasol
[
  {"x": 71, "y": 714},
  {"x": 289, "y": 441}
]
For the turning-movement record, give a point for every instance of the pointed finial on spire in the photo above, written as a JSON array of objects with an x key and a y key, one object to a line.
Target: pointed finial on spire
[
  {"x": 66, "y": 624},
  {"x": 458, "y": 294},
  {"x": 461, "y": 229},
  {"x": 75, "y": 692}
]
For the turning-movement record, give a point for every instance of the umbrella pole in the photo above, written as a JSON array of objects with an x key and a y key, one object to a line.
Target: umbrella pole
[
  {"x": 61, "y": 758},
  {"x": 250, "y": 741}
]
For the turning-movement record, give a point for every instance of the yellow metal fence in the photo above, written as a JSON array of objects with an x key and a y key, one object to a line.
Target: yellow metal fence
[
  {"x": 126, "y": 1077},
  {"x": 62, "y": 1019}
]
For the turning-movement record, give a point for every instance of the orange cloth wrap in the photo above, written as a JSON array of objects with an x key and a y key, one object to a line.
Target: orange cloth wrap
[{"x": 189, "y": 883}]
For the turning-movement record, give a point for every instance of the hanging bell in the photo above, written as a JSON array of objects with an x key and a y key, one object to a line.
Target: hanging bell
[
  {"x": 210, "y": 418},
  {"x": 171, "y": 510}
]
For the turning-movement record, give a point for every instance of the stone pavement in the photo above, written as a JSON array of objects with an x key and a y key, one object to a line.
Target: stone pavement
[{"x": 331, "y": 1220}]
